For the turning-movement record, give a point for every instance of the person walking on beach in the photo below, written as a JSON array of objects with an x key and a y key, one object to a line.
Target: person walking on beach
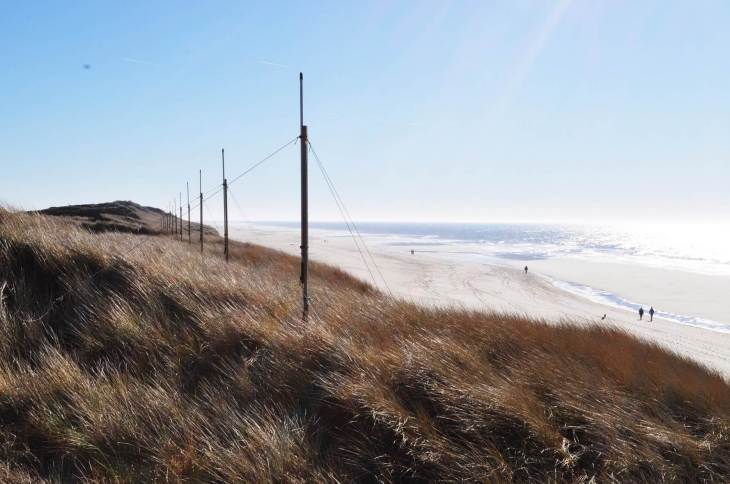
[
  {"x": 525, "y": 269},
  {"x": 651, "y": 314},
  {"x": 641, "y": 314}
]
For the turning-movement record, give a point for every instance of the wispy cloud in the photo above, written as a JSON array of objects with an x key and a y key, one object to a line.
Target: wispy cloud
[
  {"x": 537, "y": 45},
  {"x": 272, "y": 64},
  {"x": 137, "y": 61},
  {"x": 542, "y": 37}
]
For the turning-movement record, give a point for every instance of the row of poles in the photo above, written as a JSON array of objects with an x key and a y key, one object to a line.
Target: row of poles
[{"x": 173, "y": 224}]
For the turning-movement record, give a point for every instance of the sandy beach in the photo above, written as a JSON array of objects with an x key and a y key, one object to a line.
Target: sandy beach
[{"x": 445, "y": 279}]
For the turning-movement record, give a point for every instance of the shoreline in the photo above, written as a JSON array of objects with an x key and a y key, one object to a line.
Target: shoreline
[
  {"x": 477, "y": 282},
  {"x": 629, "y": 287}
]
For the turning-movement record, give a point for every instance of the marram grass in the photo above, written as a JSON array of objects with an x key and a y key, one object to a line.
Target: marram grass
[{"x": 130, "y": 358}]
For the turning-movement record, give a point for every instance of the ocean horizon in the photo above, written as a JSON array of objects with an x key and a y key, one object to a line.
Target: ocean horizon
[{"x": 700, "y": 249}]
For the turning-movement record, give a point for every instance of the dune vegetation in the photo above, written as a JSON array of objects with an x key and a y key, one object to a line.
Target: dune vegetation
[{"x": 128, "y": 358}]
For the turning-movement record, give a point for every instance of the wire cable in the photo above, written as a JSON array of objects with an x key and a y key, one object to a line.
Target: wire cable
[
  {"x": 347, "y": 224},
  {"x": 212, "y": 220},
  {"x": 262, "y": 161},
  {"x": 240, "y": 209},
  {"x": 346, "y": 215},
  {"x": 205, "y": 193},
  {"x": 219, "y": 188},
  {"x": 352, "y": 221}
]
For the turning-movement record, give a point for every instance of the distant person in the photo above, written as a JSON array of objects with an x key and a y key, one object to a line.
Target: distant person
[
  {"x": 525, "y": 269},
  {"x": 651, "y": 314},
  {"x": 641, "y": 313},
  {"x": 413, "y": 251}
]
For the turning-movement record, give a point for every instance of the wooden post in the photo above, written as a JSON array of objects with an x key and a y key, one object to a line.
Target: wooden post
[
  {"x": 174, "y": 217},
  {"x": 225, "y": 205},
  {"x": 305, "y": 203},
  {"x": 181, "y": 218},
  {"x": 190, "y": 237},
  {"x": 200, "y": 177}
]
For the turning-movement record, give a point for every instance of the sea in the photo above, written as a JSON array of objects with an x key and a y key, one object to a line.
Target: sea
[{"x": 693, "y": 248}]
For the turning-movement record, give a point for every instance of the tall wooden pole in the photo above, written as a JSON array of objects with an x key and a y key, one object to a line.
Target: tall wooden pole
[
  {"x": 181, "y": 219},
  {"x": 190, "y": 237},
  {"x": 225, "y": 205},
  {"x": 305, "y": 202},
  {"x": 174, "y": 217},
  {"x": 200, "y": 178}
]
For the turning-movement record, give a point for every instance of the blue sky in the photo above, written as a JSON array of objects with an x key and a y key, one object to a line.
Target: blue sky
[{"x": 421, "y": 110}]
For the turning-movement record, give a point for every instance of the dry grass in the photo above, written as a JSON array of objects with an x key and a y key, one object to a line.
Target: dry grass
[
  {"x": 119, "y": 216},
  {"x": 162, "y": 365}
]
